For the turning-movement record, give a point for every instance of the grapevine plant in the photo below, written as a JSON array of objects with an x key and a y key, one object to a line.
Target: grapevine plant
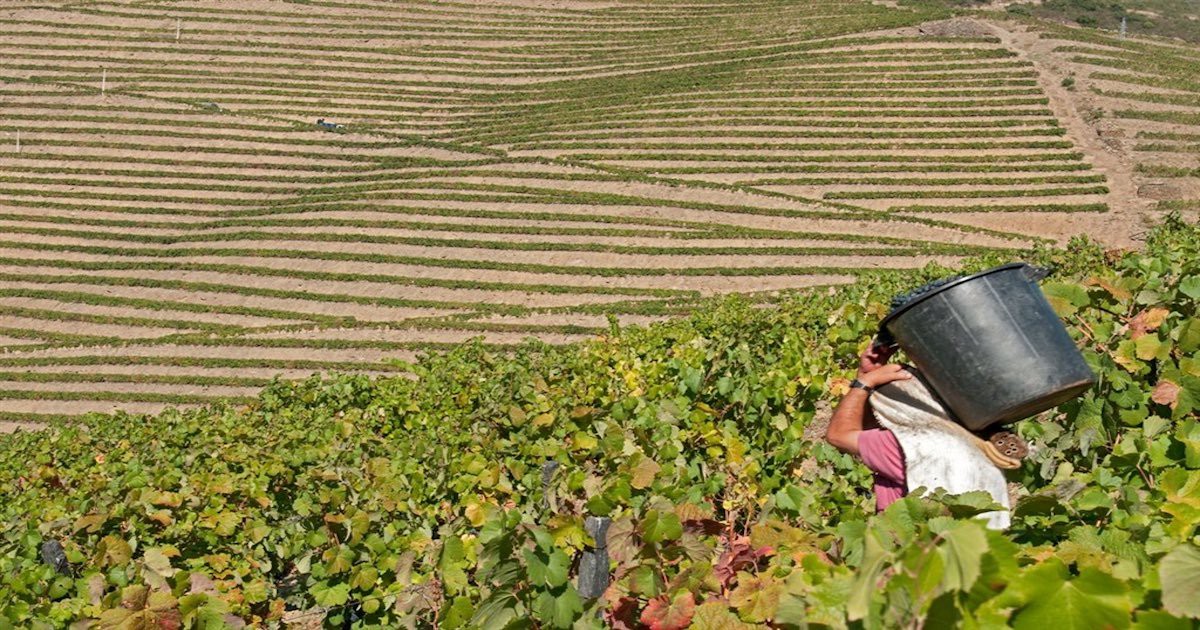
[{"x": 456, "y": 495}]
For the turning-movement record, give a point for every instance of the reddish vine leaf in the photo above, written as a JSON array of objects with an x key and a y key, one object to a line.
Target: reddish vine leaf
[
  {"x": 90, "y": 522},
  {"x": 1146, "y": 321},
  {"x": 739, "y": 555},
  {"x": 1110, "y": 286},
  {"x": 643, "y": 473},
  {"x": 1165, "y": 393},
  {"x": 623, "y": 614},
  {"x": 622, "y": 540},
  {"x": 162, "y": 610},
  {"x": 692, "y": 512},
  {"x": 200, "y": 583},
  {"x": 675, "y": 614},
  {"x": 838, "y": 386},
  {"x": 162, "y": 517},
  {"x": 705, "y": 526},
  {"x": 95, "y": 589}
]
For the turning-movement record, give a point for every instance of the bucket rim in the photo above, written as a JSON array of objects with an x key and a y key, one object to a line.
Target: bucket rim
[{"x": 904, "y": 309}]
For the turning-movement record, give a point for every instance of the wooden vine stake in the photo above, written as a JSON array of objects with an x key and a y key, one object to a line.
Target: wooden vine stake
[{"x": 178, "y": 27}]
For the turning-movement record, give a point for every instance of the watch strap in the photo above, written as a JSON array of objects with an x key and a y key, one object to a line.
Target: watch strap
[{"x": 857, "y": 384}]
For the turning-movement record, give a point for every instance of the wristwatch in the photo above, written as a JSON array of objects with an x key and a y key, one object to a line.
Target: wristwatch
[{"x": 857, "y": 384}]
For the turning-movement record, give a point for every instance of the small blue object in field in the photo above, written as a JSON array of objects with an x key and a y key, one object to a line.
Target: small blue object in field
[{"x": 329, "y": 126}]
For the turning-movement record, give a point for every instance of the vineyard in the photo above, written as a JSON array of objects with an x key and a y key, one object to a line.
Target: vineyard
[
  {"x": 178, "y": 229},
  {"x": 457, "y": 498},
  {"x": 381, "y": 305},
  {"x": 1143, "y": 97}
]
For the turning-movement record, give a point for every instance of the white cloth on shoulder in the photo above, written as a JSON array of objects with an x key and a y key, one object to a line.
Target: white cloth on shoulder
[{"x": 938, "y": 452}]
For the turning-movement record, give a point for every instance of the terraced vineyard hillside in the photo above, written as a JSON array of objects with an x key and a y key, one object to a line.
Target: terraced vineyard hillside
[
  {"x": 177, "y": 226},
  {"x": 1144, "y": 98}
]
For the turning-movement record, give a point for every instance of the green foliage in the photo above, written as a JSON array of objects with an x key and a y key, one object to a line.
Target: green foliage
[
  {"x": 456, "y": 496},
  {"x": 1161, "y": 18}
]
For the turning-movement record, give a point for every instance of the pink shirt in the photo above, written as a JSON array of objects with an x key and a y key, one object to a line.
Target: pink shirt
[{"x": 880, "y": 451}]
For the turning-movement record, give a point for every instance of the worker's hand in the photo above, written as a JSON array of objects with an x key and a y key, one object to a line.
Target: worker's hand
[
  {"x": 884, "y": 375},
  {"x": 873, "y": 358}
]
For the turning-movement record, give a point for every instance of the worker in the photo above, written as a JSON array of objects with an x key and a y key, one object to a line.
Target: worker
[
  {"x": 948, "y": 456},
  {"x": 853, "y": 429}
]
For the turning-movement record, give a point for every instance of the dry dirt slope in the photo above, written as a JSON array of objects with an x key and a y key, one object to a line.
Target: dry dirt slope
[{"x": 176, "y": 227}]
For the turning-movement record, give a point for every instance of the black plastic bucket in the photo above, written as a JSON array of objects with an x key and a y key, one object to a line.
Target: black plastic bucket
[{"x": 991, "y": 347}]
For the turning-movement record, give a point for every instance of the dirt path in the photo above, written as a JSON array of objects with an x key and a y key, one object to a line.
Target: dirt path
[
  {"x": 74, "y": 408},
  {"x": 231, "y": 351},
  {"x": 1127, "y": 213},
  {"x": 13, "y": 427}
]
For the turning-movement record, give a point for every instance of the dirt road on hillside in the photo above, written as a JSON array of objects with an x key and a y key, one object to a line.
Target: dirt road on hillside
[{"x": 1126, "y": 219}]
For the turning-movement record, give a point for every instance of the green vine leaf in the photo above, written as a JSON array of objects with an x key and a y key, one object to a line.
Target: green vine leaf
[
  {"x": 1179, "y": 574},
  {"x": 658, "y": 527},
  {"x": 962, "y": 550},
  {"x": 1091, "y": 600}
]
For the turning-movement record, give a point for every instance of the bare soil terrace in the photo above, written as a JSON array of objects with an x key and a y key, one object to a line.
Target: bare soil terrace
[{"x": 175, "y": 228}]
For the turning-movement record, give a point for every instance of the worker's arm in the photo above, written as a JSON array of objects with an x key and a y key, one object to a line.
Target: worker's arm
[{"x": 847, "y": 421}]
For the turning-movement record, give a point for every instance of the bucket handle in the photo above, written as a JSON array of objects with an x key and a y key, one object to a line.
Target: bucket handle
[{"x": 1036, "y": 274}]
